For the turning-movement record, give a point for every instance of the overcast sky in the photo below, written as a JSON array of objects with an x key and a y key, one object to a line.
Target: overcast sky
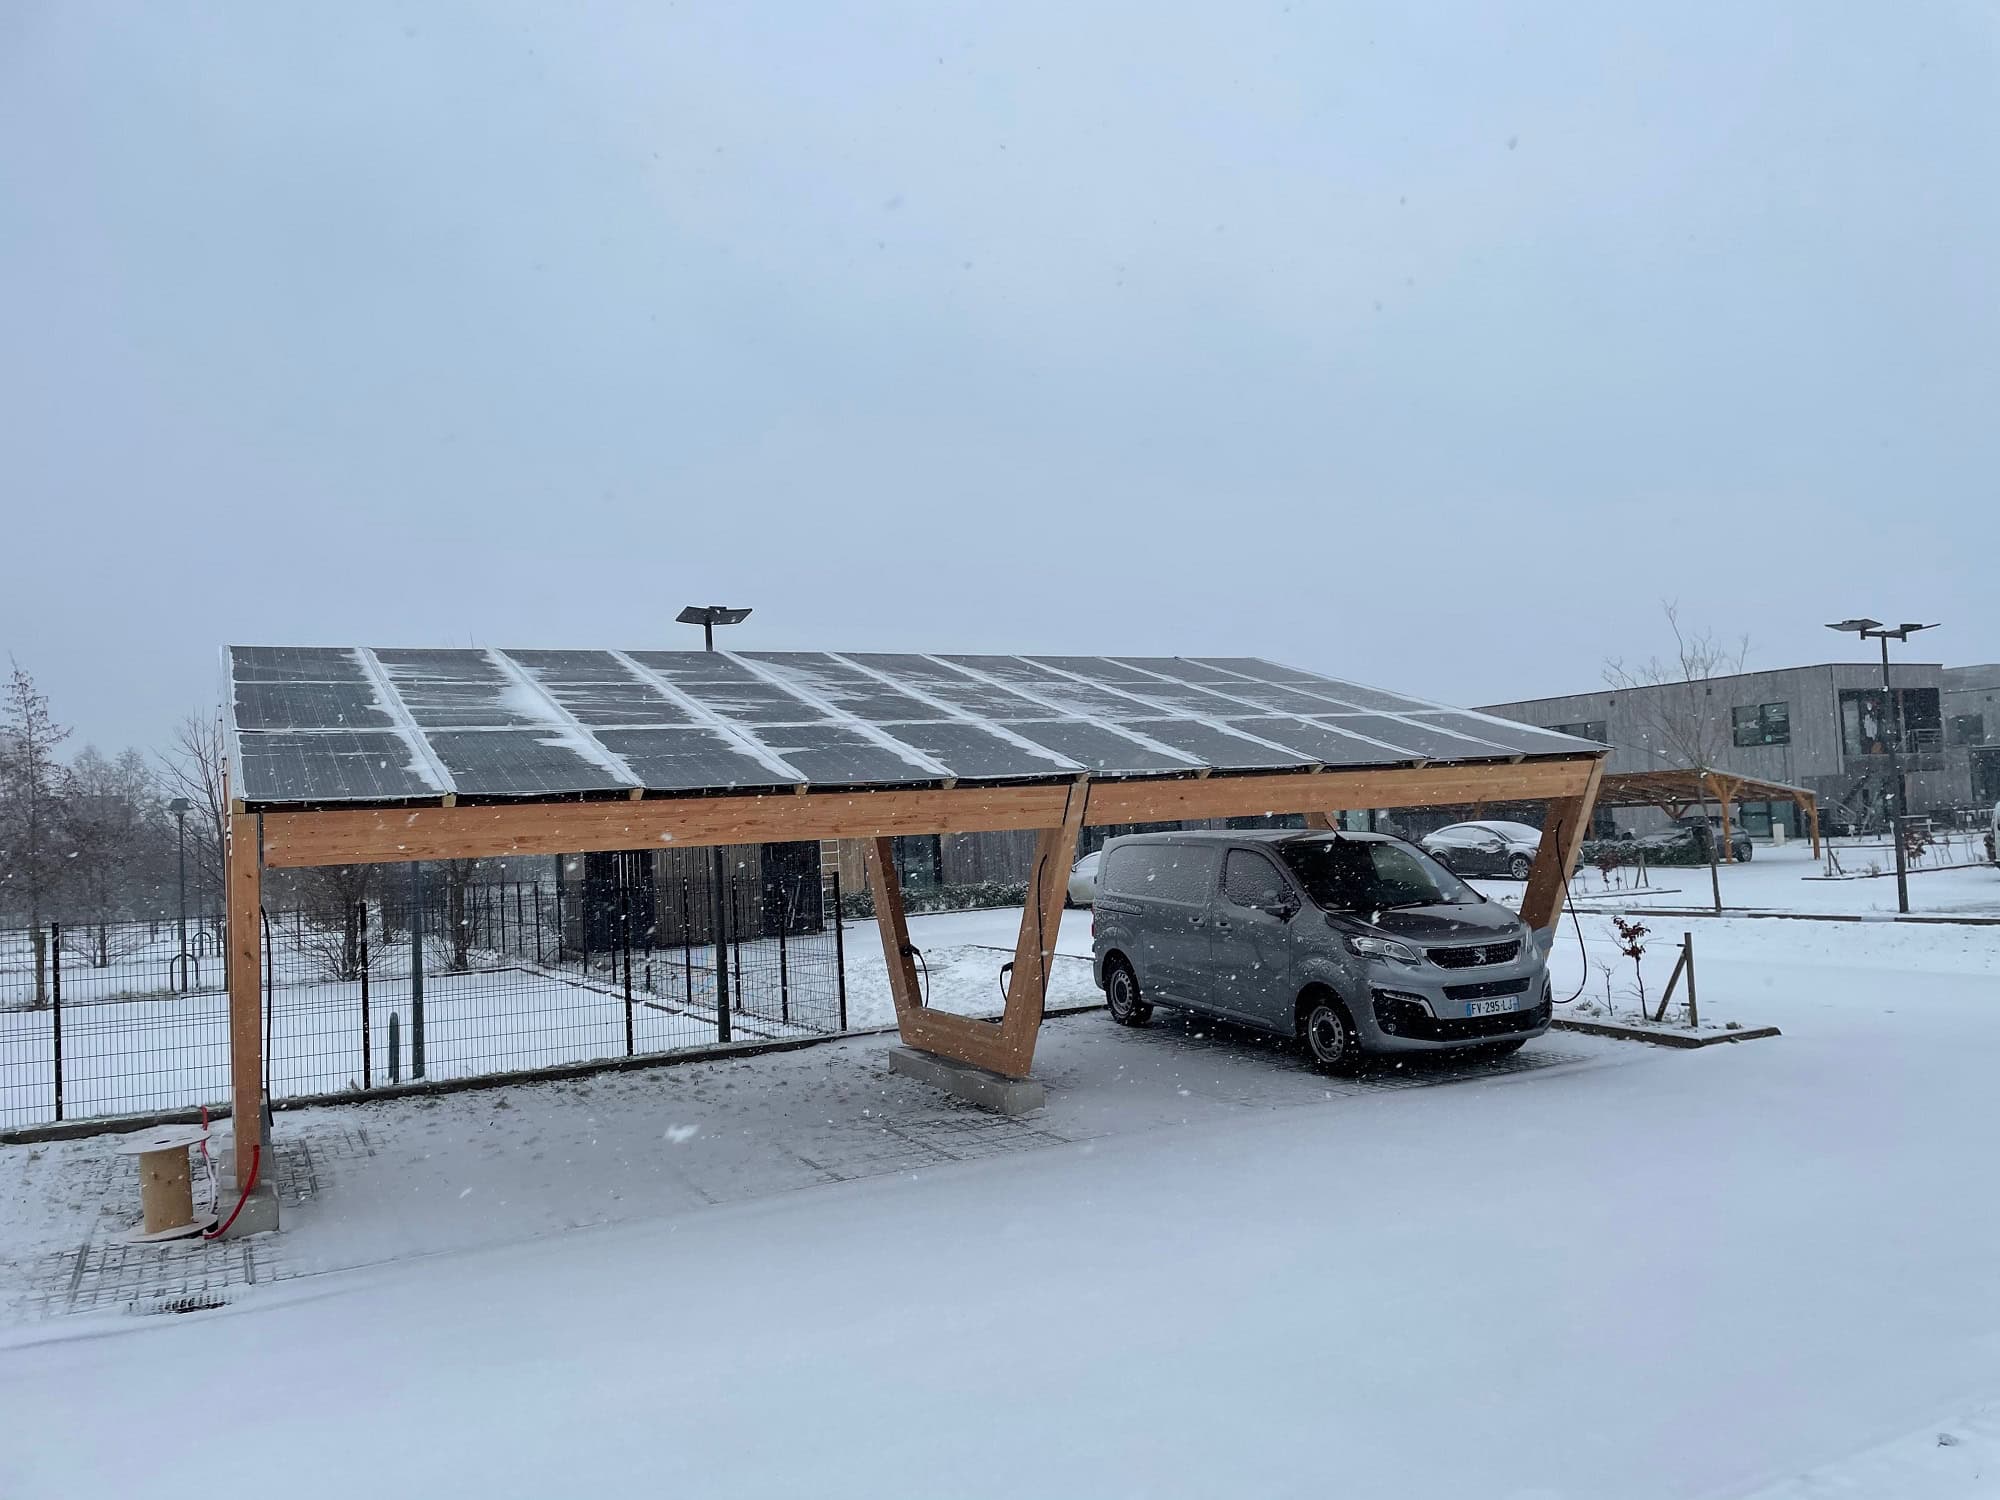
[{"x": 1432, "y": 346}]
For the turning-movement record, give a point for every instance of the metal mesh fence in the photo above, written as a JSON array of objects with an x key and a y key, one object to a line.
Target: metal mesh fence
[{"x": 614, "y": 958}]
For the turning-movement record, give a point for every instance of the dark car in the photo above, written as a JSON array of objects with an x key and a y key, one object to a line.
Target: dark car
[
  {"x": 1686, "y": 843},
  {"x": 1695, "y": 825},
  {"x": 1487, "y": 847}
]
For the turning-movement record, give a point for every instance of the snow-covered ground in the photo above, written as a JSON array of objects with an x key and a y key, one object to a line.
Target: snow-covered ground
[
  {"x": 1953, "y": 882},
  {"x": 1763, "y": 1269}
]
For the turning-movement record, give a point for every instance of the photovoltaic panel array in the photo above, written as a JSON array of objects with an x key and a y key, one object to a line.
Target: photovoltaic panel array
[{"x": 321, "y": 725}]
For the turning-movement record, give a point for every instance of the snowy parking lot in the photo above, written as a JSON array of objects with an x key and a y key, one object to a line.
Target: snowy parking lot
[{"x": 1760, "y": 1269}]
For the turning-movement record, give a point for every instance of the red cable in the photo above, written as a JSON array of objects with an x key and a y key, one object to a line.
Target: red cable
[{"x": 256, "y": 1160}]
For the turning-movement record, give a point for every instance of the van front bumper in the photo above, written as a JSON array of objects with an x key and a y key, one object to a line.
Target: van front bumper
[{"x": 1403, "y": 1022}]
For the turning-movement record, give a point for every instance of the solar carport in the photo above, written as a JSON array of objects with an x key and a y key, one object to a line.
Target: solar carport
[{"x": 351, "y": 755}]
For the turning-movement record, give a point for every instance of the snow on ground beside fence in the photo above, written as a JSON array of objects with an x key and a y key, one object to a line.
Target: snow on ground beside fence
[{"x": 169, "y": 1051}]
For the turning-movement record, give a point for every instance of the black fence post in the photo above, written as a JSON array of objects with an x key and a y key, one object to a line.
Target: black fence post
[
  {"x": 538, "y": 921},
  {"x": 687, "y": 946},
  {"x": 270, "y": 994},
  {"x": 839, "y": 950},
  {"x": 562, "y": 937},
  {"x": 736, "y": 935},
  {"x": 784, "y": 978},
  {"x": 55, "y": 999},
  {"x": 625, "y": 942},
  {"x": 395, "y": 1047},
  {"x": 720, "y": 921},
  {"x": 416, "y": 973},
  {"x": 366, "y": 1080}
]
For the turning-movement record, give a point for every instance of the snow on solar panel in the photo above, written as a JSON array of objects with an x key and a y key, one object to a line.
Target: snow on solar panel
[{"x": 339, "y": 724}]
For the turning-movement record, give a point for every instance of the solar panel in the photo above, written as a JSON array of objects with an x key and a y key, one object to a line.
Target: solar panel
[{"x": 320, "y": 725}]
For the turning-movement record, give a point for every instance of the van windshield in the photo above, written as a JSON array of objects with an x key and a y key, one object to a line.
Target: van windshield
[{"x": 1352, "y": 875}]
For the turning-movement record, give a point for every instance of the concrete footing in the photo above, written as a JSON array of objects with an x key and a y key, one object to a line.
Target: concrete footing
[
  {"x": 259, "y": 1215},
  {"x": 260, "y": 1209},
  {"x": 980, "y": 1086}
]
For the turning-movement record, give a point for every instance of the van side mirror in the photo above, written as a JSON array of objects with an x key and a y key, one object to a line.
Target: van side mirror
[{"x": 1284, "y": 908}]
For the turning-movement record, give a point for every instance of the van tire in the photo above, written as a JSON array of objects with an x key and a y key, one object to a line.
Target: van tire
[
  {"x": 1121, "y": 995},
  {"x": 1328, "y": 1033}
]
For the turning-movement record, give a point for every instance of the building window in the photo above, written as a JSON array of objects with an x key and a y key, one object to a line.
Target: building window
[
  {"x": 1866, "y": 726},
  {"x": 1968, "y": 729},
  {"x": 1763, "y": 724},
  {"x": 1589, "y": 729}
]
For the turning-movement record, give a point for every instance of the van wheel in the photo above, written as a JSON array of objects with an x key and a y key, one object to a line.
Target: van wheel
[
  {"x": 1328, "y": 1032},
  {"x": 1121, "y": 995},
  {"x": 1518, "y": 867}
]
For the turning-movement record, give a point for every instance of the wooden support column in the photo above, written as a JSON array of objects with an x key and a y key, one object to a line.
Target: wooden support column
[
  {"x": 1325, "y": 822},
  {"x": 1041, "y": 922},
  {"x": 1562, "y": 836},
  {"x": 1811, "y": 806},
  {"x": 244, "y": 878},
  {"x": 887, "y": 888}
]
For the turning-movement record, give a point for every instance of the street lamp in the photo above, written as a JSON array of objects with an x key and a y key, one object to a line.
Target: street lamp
[
  {"x": 1875, "y": 630},
  {"x": 179, "y": 808},
  {"x": 708, "y": 616}
]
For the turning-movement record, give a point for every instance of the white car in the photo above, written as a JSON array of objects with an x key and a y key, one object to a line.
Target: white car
[{"x": 1083, "y": 880}]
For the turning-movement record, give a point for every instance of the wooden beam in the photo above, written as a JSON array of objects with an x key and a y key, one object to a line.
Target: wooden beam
[
  {"x": 339, "y": 836},
  {"x": 244, "y": 881},
  {"x": 1562, "y": 836},
  {"x": 1334, "y": 791},
  {"x": 887, "y": 887},
  {"x": 1041, "y": 922}
]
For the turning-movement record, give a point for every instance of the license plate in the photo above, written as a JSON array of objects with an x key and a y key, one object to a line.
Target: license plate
[{"x": 1498, "y": 1007}]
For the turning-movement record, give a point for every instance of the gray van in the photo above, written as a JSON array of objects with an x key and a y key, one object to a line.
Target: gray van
[{"x": 1356, "y": 943}]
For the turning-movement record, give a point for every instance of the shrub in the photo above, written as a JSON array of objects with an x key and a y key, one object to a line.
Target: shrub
[{"x": 974, "y": 897}]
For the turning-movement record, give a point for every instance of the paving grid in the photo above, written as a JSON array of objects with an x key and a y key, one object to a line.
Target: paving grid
[{"x": 106, "y": 1274}]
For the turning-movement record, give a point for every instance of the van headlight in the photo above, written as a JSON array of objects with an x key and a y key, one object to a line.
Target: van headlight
[{"x": 1389, "y": 948}]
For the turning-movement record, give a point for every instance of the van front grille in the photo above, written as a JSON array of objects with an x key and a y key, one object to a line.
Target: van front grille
[{"x": 1476, "y": 957}]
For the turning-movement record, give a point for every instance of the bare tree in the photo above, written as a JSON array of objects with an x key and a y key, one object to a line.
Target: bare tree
[
  {"x": 32, "y": 786},
  {"x": 334, "y": 912},
  {"x": 1672, "y": 700},
  {"x": 113, "y": 822},
  {"x": 192, "y": 767}
]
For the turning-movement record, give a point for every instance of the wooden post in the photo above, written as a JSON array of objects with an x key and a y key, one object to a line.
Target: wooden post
[
  {"x": 1562, "y": 836},
  {"x": 887, "y": 887},
  {"x": 244, "y": 862},
  {"x": 1041, "y": 922},
  {"x": 1812, "y": 819},
  {"x": 1325, "y": 822}
]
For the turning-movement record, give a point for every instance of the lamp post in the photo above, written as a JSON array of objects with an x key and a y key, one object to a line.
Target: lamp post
[
  {"x": 708, "y": 616},
  {"x": 179, "y": 808},
  {"x": 1875, "y": 630}
]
